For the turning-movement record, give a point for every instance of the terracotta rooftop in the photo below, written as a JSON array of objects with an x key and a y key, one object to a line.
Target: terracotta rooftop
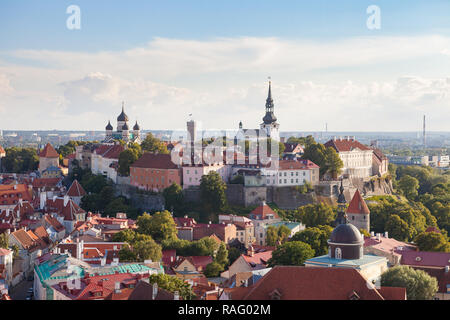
[
  {"x": 108, "y": 151},
  {"x": 297, "y": 165},
  {"x": 263, "y": 210},
  {"x": 76, "y": 190},
  {"x": 155, "y": 161},
  {"x": 358, "y": 205},
  {"x": 346, "y": 145},
  {"x": 425, "y": 258},
  {"x": 310, "y": 283},
  {"x": 48, "y": 152}
]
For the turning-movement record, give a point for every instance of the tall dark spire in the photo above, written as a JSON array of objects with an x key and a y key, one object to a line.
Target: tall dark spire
[
  {"x": 342, "y": 206},
  {"x": 269, "y": 117},
  {"x": 240, "y": 124},
  {"x": 122, "y": 116}
]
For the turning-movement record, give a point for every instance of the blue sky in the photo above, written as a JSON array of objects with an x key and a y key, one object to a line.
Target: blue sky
[{"x": 212, "y": 58}]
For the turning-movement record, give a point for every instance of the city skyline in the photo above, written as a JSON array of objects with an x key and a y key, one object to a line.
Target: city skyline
[{"x": 326, "y": 65}]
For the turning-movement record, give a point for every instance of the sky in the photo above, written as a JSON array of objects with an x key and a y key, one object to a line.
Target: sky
[{"x": 212, "y": 59}]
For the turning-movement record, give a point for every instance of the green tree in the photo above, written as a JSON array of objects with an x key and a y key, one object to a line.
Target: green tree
[
  {"x": 316, "y": 153},
  {"x": 4, "y": 241},
  {"x": 213, "y": 269},
  {"x": 160, "y": 226},
  {"x": 398, "y": 228},
  {"x": 291, "y": 253},
  {"x": 233, "y": 254},
  {"x": 126, "y": 159},
  {"x": 172, "y": 284},
  {"x": 154, "y": 145},
  {"x": 212, "y": 189},
  {"x": 432, "y": 241},
  {"x": 20, "y": 160},
  {"x": 409, "y": 186},
  {"x": 419, "y": 285},
  {"x": 333, "y": 162},
  {"x": 222, "y": 255},
  {"x": 147, "y": 249},
  {"x": 126, "y": 254},
  {"x": 173, "y": 197},
  {"x": 316, "y": 237},
  {"x": 313, "y": 215},
  {"x": 126, "y": 235},
  {"x": 276, "y": 235}
]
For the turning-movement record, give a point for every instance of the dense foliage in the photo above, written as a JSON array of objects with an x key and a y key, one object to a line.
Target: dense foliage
[
  {"x": 20, "y": 160},
  {"x": 419, "y": 285},
  {"x": 292, "y": 253}
]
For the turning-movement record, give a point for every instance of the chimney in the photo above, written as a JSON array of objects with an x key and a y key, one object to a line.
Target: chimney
[
  {"x": 66, "y": 200},
  {"x": 378, "y": 236},
  {"x": 372, "y": 233},
  {"x": 447, "y": 269},
  {"x": 15, "y": 187},
  {"x": 176, "y": 295},
  {"x": 117, "y": 287},
  {"x": 386, "y": 235},
  {"x": 155, "y": 291},
  {"x": 246, "y": 283}
]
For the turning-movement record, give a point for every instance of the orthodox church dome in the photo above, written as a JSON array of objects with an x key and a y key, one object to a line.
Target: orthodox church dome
[
  {"x": 109, "y": 126},
  {"x": 125, "y": 127},
  {"x": 136, "y": 127},
  {"x": 122, "y": 116}
]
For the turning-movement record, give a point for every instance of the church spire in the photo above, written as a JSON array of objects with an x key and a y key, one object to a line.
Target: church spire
[
  {"x": 269, "y": 118},
  {"x": 342, "y": 205}
]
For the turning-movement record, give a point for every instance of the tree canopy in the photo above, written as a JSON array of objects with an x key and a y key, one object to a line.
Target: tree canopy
[
  {"x": 432, "y": 241},
  {"x": 419, "y": 285},
  {"x": 20, "y": 160},
  {"x": 154, "y": 145},
  {"x": 276, "y": 235},
  {"x": 212, "y": 189},
  {"x": 316, "y": 237},
  {"x": 292, "y": 253},
  {"x": 160, "y": 226}
]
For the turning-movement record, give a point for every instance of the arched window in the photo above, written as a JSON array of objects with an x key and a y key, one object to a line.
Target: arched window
[{"x": 338, "y": 253}]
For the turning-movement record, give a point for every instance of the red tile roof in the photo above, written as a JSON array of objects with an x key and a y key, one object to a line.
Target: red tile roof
[
  {"x": 48, "y": 152},
  {"x": 310, "y": 283},
  {"x": 54, "y": 223},
  {"x": 184, "y": 222},
  {"x": 425, "y": 258},
  {"x": 258, "y": 260},
  {"x": 76, "y": 190},
  {"x": 358, "y": 205},
  {"x": 45, "y": 182},
  {"x": 155, "y": 161},
  {"x": 297, "y": 165},
  {"x": 10, "y": 196},
  {"x": 2, "y": 150},
  {"x": 263, "y": 210},
  {"x": 108, "y": 151},
  {"x": 346, "y": 145},
  {"x": 68, "y": 211}
]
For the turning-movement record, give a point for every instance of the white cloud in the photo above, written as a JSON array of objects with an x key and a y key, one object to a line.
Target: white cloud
[{"x": 353, "y": 84}]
